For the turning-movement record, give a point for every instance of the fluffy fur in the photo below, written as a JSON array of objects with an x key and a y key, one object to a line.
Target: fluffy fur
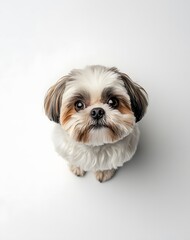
[{"x": 96, "y": 110}]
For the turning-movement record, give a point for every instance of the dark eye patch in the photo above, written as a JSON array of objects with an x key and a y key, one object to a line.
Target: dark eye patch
[
  {"x": 107, "y": 94},
  {"x": 81, "y": 96},
  {"x": 114, "y": 99}
]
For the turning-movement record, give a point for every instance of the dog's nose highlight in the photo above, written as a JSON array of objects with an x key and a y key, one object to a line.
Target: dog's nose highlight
[{"x": 97, "y": 113}]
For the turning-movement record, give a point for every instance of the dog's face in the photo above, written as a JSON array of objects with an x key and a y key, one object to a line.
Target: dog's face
[{"x": 96, "y": 105}]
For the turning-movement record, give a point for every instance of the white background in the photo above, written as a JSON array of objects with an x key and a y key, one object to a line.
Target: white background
[{"x": 40, "y": 41}]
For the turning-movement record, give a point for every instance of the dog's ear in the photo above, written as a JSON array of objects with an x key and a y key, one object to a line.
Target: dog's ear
[
  {"x": 138, "y": 96},
  {"x": 53, "y": 99}
]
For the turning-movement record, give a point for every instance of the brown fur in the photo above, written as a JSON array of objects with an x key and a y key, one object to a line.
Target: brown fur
[
  {"x": 83, "y": 135},
  {"x": 66, "y": 115},
  {"x": 124, "y": 106},
  {"x": 53, "y": 100},
  {"x": 138, "y": 96},
  {"x": 114, "y": 132}
]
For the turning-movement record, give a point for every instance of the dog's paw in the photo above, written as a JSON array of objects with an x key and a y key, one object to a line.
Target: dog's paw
[
  {"x": 77, "y": 171},
  {"x": 105, "y": 175}
]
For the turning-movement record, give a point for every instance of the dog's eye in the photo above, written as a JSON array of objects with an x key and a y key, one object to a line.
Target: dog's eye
[
  {"x": 113, "y": 102},
  {"x": 79, "y": 105}
]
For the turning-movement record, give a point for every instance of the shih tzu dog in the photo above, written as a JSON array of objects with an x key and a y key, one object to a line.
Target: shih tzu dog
[{"x": 96, "y": 111}]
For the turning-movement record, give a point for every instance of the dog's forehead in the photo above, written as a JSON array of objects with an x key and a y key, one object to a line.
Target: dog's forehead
[{"x": 95, "y": 79}]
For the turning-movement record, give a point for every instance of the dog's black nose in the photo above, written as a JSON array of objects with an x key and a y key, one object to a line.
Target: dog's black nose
[{"x": 97, "y": 113}]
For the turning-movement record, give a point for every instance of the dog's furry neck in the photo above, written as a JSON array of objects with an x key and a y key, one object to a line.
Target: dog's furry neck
[{"x": 92, "y": 158}]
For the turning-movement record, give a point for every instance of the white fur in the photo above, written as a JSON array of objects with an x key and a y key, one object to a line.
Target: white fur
[
  {"x": 94, "y": 80},
  {"x": 93, "y": 158},
  {"x": 104, "y": 148},
  {"x": 100, "y": 136}
]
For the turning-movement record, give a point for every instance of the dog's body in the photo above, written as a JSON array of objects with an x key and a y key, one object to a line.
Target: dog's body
[{"x": 96, "y": 110}]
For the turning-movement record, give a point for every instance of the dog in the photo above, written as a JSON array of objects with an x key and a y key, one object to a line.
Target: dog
[{"x": 96, "y": 111}]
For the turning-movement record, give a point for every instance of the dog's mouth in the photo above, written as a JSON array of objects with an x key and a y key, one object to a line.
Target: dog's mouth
[{"x": 98, "y": 125}]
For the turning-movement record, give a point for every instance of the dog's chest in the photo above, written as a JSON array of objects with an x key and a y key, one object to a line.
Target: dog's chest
[{"x": 91, "y": 158}]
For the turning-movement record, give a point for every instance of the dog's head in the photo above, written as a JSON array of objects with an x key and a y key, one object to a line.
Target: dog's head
[{"x": 96, "y": 105}]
